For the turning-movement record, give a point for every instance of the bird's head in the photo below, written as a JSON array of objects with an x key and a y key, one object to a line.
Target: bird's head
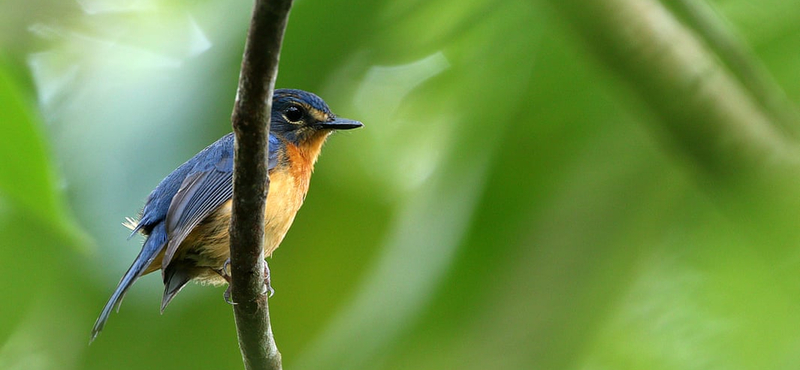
[{"x": 303, "y": 118}]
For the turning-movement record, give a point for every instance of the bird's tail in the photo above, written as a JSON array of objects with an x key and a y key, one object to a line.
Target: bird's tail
[
  {"x": 151, "y": 248},
  {"x": 176, "y": 275}
]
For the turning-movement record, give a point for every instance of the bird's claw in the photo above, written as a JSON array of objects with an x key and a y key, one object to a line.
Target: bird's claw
[
  {"x": 223, "y": 272},
  {"x": 267, "y": 284},
  {"x": 227, "y": 296}
]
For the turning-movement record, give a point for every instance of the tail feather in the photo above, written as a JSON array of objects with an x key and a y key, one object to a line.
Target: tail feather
[
  {"x": 151, "y": 248},
  {"x": 175, "y": 278}
]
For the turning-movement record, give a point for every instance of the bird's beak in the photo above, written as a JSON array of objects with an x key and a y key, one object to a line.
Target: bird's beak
[{"x": 340, "y": 124}]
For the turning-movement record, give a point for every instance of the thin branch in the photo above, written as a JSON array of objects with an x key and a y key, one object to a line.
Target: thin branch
[
  {"x": 744, "y": 161},
  {"x": 706, "y": 111},
  {"x": 721, "y": 37},
  {"x": 250, "y": 120}
]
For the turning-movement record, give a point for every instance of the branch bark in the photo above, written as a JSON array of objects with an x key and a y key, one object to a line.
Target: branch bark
[{"x": 251, "y": 121}]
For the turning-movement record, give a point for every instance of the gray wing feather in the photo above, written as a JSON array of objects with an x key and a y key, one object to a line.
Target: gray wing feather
[
  {"x": 200, "y": 194},
  {"x": 206, "y": 187}
]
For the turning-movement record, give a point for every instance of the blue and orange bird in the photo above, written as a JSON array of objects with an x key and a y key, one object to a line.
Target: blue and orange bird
[{"x": 186, "y": 218}]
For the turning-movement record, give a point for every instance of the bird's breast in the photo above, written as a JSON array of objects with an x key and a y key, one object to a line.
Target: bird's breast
[{"x": 287, "y": 190}]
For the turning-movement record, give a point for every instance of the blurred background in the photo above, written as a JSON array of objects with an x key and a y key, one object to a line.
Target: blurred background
[{"x": 518, "y": 199}]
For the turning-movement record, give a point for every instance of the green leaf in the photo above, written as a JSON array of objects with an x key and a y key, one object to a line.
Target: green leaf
[{"x": 27, "y": 179}]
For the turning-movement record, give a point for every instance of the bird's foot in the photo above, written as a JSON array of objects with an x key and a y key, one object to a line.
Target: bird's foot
[
  {"x": 227, "y": 296},
  {"x": 267, "y": 283},
  {"x": 223, "y": 272}
]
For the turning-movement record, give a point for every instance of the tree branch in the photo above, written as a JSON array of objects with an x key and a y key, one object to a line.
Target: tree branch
[
  {"x": 706, "y": 111},
  {"x": 721, "y": 38},
  {"x": 251, "y": 120},
  {"x": 744, "y": 159}
]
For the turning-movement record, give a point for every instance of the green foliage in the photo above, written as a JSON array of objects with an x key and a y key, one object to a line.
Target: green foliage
[
  {"x": 37, "y": 232},
  {"x": 508, "y": 205}
]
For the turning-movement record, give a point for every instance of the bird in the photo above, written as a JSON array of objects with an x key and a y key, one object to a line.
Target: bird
[{"x": 185, "y": 219}]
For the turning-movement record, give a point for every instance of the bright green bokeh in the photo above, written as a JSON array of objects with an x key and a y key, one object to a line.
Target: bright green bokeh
[{"x": 506, "y": 206}]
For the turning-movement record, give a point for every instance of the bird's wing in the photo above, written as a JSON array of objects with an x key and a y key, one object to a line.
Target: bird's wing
[{"x": 206, "y": 187}]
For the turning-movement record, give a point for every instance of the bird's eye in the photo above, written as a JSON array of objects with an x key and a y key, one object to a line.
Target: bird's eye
[{"x": 294, "y": 114}]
